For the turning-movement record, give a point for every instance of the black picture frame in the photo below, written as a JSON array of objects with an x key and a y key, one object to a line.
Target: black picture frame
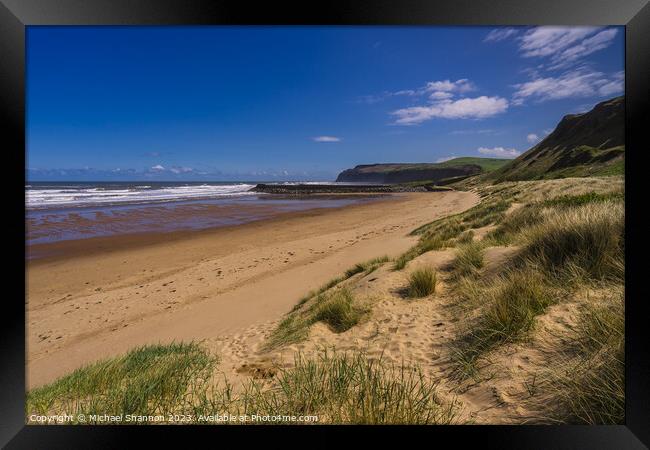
[{"x": 15, "y": 15}]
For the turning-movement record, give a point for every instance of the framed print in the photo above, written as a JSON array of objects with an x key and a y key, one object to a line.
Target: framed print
[{"x": 418, "y": 217}]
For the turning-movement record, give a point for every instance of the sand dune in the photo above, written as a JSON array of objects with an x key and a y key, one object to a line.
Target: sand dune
[{"x": 227, "y": 287}]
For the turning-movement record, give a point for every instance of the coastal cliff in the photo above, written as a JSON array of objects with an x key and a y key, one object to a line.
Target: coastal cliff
[
  {"x": 454, "y": 169},
  {"x": 587, "y": 144},
  {"x": 387, "y": 173}
]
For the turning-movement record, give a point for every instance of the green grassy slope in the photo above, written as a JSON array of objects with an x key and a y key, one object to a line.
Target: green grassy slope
[
  {"x": 487, "y": 164},
  {"x": 409, "y": 172},
  {"x": 588, "y": 144}
]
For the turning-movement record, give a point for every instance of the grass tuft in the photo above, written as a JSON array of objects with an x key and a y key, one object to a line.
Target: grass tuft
[
  {"x": 336, "y": 388},
  {"x": 422, "y": 282},
  {"x": 466, "y": 237},
  {"x": 520, "y": 297},
  {"x": 443, "y": 232},
  {"x": 583, "y": 199},
  {"x": 590, "y": 388},
  {"x": 425, "y": 245},
  {"x": 511, "y": 303},
  {"x": 148, "y": 380},
  {"x": 469, "y": 259},
  {"x": 353, "y": 389},
  {"x": 338, "y": 311},
  {"x": 367, "y": 267},
  {"x": 520, "y": 219},
  {"x": 588, "y": 238}
]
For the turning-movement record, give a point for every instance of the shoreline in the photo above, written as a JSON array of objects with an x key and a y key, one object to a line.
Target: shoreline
[
  {"x": 206, "y": 284},
  {"x": 323, "y": 189},
  {"x": 70, "y": 248}
]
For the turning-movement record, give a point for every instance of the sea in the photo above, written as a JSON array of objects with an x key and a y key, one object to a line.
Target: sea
[{"x": 57, "y": 211}]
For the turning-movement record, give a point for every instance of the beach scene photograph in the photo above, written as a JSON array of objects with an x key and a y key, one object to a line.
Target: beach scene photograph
[{"x": 325, "y": 225}]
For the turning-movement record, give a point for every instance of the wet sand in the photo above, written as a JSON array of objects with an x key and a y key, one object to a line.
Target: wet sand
[
  {"x": 51, "y": 225},
  {"x": 99, "y": 297}
]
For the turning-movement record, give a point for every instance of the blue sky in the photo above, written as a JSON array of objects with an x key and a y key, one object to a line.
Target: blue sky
[{"x": 265, "y": 103}]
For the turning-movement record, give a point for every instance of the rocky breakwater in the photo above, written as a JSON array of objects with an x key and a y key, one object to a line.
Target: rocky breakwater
[{"x": 304, "y": 189}]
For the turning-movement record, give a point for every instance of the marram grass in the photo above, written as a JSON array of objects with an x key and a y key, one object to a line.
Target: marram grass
[
  {"x": 422, "y": 282},
  {"x": 176, "y": 379}
]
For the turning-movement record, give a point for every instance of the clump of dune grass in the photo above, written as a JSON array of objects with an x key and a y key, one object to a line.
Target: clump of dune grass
[
  {"x": 519, "y": 298},
  {"x": 470, "y": 291},
  {"x": 592, "y": 391},
  {"x": 565, "y": 242},
  {"x": 535, "y": 213},
  {"x": 511, "y": 302},
  {"x": 443, "y": 232},
  {"x": 349, "y": 389},
  {"x": 401, "y": 262},
  {"x": 590, "y": 387},
  {"x": 425, "y": 245},
  {"x": 292, "y": 329},
  {"x": 486, "y": 213},
  {"x": 338, "y": 309},
  {"x": 466, "y": 237},
  {"x": 367, "y": 266},
  {"x": 324, "y": 288},
  {"x": 588, "y": 238},
  {"x": 469, "y": 259},
  {"x": 583, "y": 199},
  {"x": 177, "y": 379},
  {"x": 506, "y": 232},
  {"x": 602, "y": 325},
  {"x": 148, "y": 380},
  {"x": 330, "y": 307},
  {"x": 422, "y": 282},
  {"x": 490, "y": 210}
]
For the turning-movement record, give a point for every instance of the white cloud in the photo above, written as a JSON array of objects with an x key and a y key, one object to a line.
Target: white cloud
[
  {"x": 440, "y": 95},
  {"x": 464, "y": 108},
  {"x": 499, "y": 151},
  {"x": 499, "y": 34},
  {"x": 563, "y": 46},
  {"x": 326, "y": 139},
  {"x": 436, "y": 90},
  {"x": 462, "y": 85},
  {"x": 546, "y": 41},
  {"x": 157, "y": 167},
  {"x": 480, "y": 131},
  {"x": 181, "y": 169},
  {"x": 532, "y": 138},
  {"x": 614, "y": 86},
  {"x": 586, "y": 47},
  {"x": 576, "y": 83},
  {"x": 405, "y": 92}
]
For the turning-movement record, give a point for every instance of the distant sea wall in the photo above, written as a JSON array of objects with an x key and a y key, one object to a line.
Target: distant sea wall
[{"x": 300, "y": 189}]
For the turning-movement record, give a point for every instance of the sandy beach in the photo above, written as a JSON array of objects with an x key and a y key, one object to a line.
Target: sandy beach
[{"x": 103, "y": 296}]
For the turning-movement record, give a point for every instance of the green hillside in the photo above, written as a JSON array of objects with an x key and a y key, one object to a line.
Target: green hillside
[
  {"x": 487, "y": 164},
  {"x": 588, "y": 144},
  {"x": 456, "y": 168}
]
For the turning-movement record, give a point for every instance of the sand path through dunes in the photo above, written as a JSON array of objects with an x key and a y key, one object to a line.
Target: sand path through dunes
[{"x": 207, "y": 284}]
